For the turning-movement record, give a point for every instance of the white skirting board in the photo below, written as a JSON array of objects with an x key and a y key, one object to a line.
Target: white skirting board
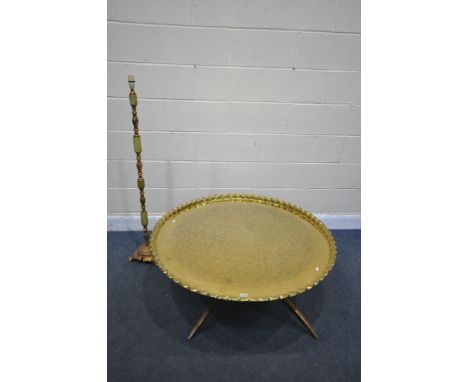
[{"x": 132, "y": 222}]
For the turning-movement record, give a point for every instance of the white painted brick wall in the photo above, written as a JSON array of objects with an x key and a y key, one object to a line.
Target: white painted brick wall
[
  {"x": 301, "y": 14},
  {"x": 228, "y": 13},
  {"x": 329, "y": 51},
  {"x": 262, "y": 48},
  {"x": 257, "y": 96},
  {"x": 348, "y": 17}
]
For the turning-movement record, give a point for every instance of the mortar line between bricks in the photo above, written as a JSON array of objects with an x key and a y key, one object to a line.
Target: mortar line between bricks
[
  {"x": 342, "y": 149},
  {"x": 236, "y": 161},
  {"x": 156, "y": 99},
  {"x": 233, "y": 133},
  {"x": 233, "y": 28},
  {"x": 264, "y": 13},
  {"x": 337, "y": 10},
  {"x": 137, "y": 214},
  {"x": 229, "y": 42},
  {"x": 192, "y": 6},
  {"x": 296, "y": 51},
  {"x": 165, "y": 64},
  {"x": 241, "y": 188}
]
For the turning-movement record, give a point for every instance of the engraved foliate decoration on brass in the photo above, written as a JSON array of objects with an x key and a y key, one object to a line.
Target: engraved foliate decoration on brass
[{"x": 243, "y": 247}]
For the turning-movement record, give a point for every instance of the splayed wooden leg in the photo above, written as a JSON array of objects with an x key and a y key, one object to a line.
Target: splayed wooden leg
[
  {"x": 300, "y": 315},
  {"x": 202, "y": 319}
]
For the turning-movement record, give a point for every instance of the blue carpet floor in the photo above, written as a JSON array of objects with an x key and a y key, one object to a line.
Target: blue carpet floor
[{"x": 149, "y": 318}]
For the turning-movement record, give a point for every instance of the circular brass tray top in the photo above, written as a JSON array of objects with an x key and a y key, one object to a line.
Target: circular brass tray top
[{"x": 243, "y": 247}]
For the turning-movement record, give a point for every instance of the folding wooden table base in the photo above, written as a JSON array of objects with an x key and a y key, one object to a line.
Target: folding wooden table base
[{"x": 289, "y": 303}]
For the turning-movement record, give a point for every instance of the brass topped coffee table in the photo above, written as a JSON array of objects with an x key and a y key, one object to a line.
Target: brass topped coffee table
[{"x": 243, "y": 248}]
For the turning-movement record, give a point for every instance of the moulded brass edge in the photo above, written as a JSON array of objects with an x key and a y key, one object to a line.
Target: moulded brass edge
[{"x": 195, "y": 203}]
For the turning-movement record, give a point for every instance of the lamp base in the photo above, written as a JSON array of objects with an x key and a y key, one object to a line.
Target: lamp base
[{"x": 142, "y": 254}]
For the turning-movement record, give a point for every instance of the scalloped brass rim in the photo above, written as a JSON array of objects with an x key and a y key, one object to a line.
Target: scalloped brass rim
[{"x": 253, "y": 199}]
